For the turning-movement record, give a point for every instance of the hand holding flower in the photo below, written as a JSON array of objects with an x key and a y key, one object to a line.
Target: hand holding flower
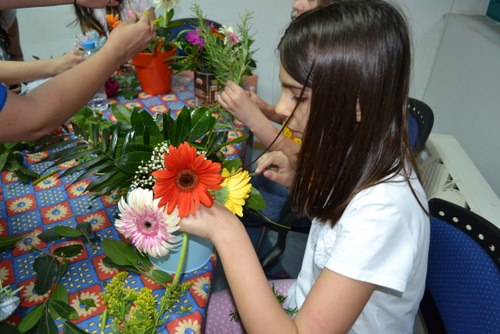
[
  {"x": 130, "y": 37},
  {"x": 209, "y": 223},
  {"x": 276, "y": 167}
]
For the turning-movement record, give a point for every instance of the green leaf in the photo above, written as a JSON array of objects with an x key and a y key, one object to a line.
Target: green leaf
[
  {"x": 150, "y": 124},
  {"x": 168, "y": 125},
  {"x": 66, "y": 231},
  {"x": 60, "y": 293},
  {"x": 31, "y": 319},
  {"x": 85, "y": 228},
  {"x": 84, "y": 165},
  {"x": 78, "y": 155},
  {"x": 68, "y": 251},
  {"x": 64, "y": 310},
  {"x": 105, "y": 139},
  {"x": 121, "y": 253},
  {"x": 232, "y": 165},
  {"x": 255, "y": 200},
  {"x": 121, "y": 113},
  {"x": 87, "y": 302},
  {"x": 58, "y": 142},
  {"x": 161, "y": 277},
  {"x": 130, "y": 162},
  {"x": 182, "y": 127},
  {"x": 46, "y": 268},
  {"x": 114, "y": 141},
  {"x": 8, "y": 242},
  {"x": 226, "y": 143},
  {"x": 47, "y": 325},
  {"x": 71, "y": 328},
  {"x": 202, "y": 122},
  {"x": 68, "y": 151}
]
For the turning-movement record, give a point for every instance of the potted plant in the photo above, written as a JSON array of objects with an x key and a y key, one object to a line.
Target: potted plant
[
  {"x": 215, "y": 53},
  {"x": 152, "y": 65}
]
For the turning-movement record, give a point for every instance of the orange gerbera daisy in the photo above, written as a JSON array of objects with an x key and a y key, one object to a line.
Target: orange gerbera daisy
[
  {"x": 186, "y": 180},
  {"x": 113, "y": 21}
]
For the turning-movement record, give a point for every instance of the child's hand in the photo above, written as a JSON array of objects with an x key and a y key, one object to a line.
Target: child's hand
[
  {"x": 67, "y": 61},
  {"x": 276, "y": 167},
  {"x": 207, "y": 222},
  {"x": 131, "y": 36},
  {"x": 238, "y": 102}
]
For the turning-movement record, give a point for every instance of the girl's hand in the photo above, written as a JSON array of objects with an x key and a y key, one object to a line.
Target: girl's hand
[
  {"x": 238, "y": 102},
  {"x": 130, "y": 37},
  {"x": 276, "y": 167},
  {"x": 67, "y": 61},
  {"x": 208, "y": 222}
]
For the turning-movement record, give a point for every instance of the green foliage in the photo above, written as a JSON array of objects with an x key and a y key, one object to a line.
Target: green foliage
[
  {"x": 12, "y": 160},
  {"x": 114, "y": 152},
  {"x": 220, "y": 53},
  {"x": 49, "y": 269},
  {"x": 137, "y": 311}
]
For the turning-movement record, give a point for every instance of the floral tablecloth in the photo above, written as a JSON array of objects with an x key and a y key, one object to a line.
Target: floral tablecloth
[{"x": 27, "y": 209}]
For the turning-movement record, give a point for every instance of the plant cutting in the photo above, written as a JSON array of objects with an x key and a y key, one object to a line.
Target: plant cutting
[{"x": 224, "y": 51}]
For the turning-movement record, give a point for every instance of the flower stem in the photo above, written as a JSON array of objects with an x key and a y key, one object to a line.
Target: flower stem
[{"x": 182, "y": 258}]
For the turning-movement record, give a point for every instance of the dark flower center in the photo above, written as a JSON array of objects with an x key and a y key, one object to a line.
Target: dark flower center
[
  {"x": 186, "y": 179},
  {"x": 147, "y": 224}
]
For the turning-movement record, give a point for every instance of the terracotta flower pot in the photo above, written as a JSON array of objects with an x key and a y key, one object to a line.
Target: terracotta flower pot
[{"x": 154, "y": 72}]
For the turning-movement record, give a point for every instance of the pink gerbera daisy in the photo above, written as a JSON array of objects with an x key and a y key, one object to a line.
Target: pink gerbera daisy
[{"x": 149, "y": 227}]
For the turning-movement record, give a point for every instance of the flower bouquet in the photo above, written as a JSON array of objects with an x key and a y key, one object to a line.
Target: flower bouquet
[{"x": 162, "y": 169}]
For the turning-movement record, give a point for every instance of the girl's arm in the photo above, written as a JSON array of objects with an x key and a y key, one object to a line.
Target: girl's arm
[
  {"x": 236, "y": 100},
  {"x": 12, "y": 72},
  {"x": 6, "y": 4},
  {"x": 50, "y": 104},
  {"x": 332, "y": 305}
]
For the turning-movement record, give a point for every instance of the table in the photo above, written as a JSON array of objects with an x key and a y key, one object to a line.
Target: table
[{"x": 28, "y": 210}]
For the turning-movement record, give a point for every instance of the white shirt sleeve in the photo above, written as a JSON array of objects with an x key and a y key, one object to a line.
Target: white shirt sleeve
[{"x": 374, "y": 241}]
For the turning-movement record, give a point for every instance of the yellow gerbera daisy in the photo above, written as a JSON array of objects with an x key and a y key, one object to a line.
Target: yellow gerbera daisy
[{"x": 234, "y": 190}]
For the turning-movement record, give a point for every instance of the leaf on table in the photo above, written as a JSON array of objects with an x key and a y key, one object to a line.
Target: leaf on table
[
  {"x": 64, "y": 310},
  {"x": 70, "y": 328},
  {"x": 60, "y": 293},
  {"x": 46, "y": 268},
  {"x": 68, "y": 251},
  {"x": 8, "y": 242},
  {"x": 123, "y": 254},
  {"x": 31, "y": 318},
  {"x": 47, "y": 325}
]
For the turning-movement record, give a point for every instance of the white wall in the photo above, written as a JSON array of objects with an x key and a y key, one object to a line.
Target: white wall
[{"x": 44, "y": 31}]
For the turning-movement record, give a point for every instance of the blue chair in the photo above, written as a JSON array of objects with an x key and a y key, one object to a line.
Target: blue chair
[
  {"x": 420, "y": 122},
  {"x": 463, "y": 278}
]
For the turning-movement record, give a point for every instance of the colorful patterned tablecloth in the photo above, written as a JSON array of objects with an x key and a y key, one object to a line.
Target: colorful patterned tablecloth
[{"x": 27, "y": 209}]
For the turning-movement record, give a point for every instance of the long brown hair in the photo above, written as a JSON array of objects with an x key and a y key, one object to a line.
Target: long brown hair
[
  {"x": 87, "y": 21},
  {"x": 355, "y": 56}
]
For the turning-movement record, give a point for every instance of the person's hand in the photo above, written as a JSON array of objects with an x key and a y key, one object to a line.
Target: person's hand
[
  {"x": 97, "y": 3},
  {"x": 238, "y": 102},
  {"x": 276, "y": 167},
  {"x": 206, "y": 222},
  {"x": 130, "y": 37},
  {"x": 67, "y": 61}
]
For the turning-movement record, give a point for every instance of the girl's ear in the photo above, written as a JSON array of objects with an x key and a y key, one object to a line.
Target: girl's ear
[{"x": 358, "y": 113}]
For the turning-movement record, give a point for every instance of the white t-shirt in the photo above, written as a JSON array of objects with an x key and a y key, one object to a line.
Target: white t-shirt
[
  {"x": 139, "y": 6},
  {"x": 382, "y": 238}
]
